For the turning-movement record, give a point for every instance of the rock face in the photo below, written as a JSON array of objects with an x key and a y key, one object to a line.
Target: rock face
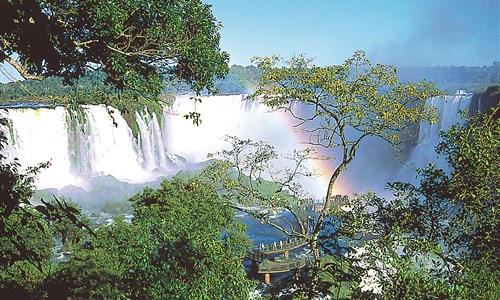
[{"x": 485, "y": 101}]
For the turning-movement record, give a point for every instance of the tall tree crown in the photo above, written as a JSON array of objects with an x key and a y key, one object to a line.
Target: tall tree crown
[
  {"x": 357, "y": 94},
  {"x": 137, "y": 43}
]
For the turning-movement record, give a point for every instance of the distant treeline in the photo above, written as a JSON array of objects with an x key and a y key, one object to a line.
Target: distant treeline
[
  {"x": 450, "y": 79},
  {"x": 243, "y": 80},
  {"x": 240, "y": 80},
  {"x": 53, "y": 87}
]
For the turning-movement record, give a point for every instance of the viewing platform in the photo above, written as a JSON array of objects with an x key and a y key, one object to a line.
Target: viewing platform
[
  {"x": 266, "y": 257},
  {"x": 272, "y": 267}
]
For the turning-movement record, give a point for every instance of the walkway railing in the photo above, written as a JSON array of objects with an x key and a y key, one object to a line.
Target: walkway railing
[
  {"x": 281, "y": 246},
  {"x": 257, "y": 256},
  {"x": 269, "y": 267}
]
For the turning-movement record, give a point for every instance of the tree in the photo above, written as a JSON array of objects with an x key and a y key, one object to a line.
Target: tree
[
  {"x": 447, "y": 228},
  {"x": 96, "y": 268},
  {"x": 65, "y": 227},
  {"x": 26, "y": 240},
  {"x": 138, "y": 44},
  {"x": 26, "y": 247},
  {"x": 344, "y": 105},
  {"x": 183, "y": 243},
  {"x": 199, "y": 242},
  {"x": 438, "y": 239},
  {"x": 239, "y": 80}
]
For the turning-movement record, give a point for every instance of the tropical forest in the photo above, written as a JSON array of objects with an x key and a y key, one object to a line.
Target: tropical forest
[{"x": 208, "y": 149}]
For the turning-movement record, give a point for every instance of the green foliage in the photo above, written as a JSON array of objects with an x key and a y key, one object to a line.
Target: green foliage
[
  {"x": 26, "y": 245},
  {"x": 54, "y": 89},
  {"x": 26, "y": 239},
  {"x": 186, "y": 174},
  {"x": 183, "y": 243},
  {"x": 346, "y": 104},
  {"x": 239, "y": 80},
  {"x": 200, "y": 245},
  {"x": 240, "y": 175},
  {"x": 90, "y": 89},
  {"x": 22, "y": 278},
  {"x": 472, "y": 154},
  {"x": 95, "y": 270},
  {"x": 341, "y": 106},
  {"x": 367, "y": 98},
  {"x": 467, "y": 198},
  {"x": 23, "y": 228},
  {"x": 137, "y": 44},
  {"x": 364, "y": 99},
  {"x": 117, "y": 207},
  {"x": 72, "y": 234},
  {"x": 440, "y": 239}
]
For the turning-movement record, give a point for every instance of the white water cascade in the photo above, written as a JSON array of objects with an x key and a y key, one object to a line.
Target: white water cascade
[
  {"x": 233, "y": 116},
  {"x": 448, "y": 109},
  {"x": 226, "y": 115},
  {"x": 97, "y": 141}
]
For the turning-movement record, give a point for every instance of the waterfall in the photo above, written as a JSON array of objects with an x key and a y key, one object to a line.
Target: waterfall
[
  {"x": 226, "y": 115},
  {"x": 448, "y": 109},
  {"x": 95, "y": 140},
  {"x": 89, "y": 142},
  {"x": 152, "y": 142},
  {"x": 38, "y": 136},
  {"x": 234, "y": 115}
]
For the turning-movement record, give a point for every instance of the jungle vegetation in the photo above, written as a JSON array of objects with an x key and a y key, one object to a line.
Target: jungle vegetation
[{"x": 437, "y": 239}]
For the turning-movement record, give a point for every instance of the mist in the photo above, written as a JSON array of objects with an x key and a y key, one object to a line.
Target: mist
[
  {"x": 446, "y": 33},
  {"x": 186, "y": 146}
]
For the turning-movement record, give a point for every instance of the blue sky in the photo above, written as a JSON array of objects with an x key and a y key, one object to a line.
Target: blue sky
[{"x": 399, "y": 32}]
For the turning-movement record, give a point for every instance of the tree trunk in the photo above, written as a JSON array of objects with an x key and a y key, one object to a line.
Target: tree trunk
[
  {"x": 315, "y": 248},
  {"x": 315, "y": 268}
]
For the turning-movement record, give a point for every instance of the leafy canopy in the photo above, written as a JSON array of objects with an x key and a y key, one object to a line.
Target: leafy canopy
[
  {"x": 446, "y": 229},
  {"x": 457, "y": 212},
  {"x": 338, "y": 107},
  {"x": 346, "y": 103},
  {"x": 137, "y": 43},
  {"x": 183, "y": 243}
]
